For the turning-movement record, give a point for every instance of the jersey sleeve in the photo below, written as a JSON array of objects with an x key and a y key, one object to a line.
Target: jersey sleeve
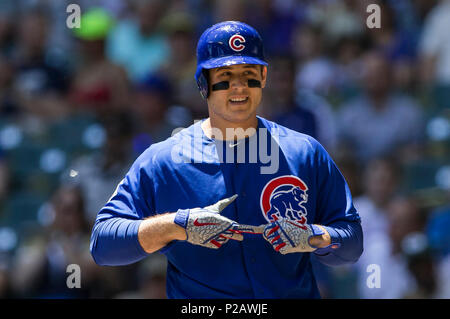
[
  {"x": 114, "y": 238},
  {"x": 336, "y": 212}
]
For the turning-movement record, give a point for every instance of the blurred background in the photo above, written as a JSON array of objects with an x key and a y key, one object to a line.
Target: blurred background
[{"x": 77, "y": 106}]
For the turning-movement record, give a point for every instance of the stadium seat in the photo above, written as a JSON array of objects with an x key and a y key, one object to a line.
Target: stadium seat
[
  {"x": 68, "y": 134},
  {"x": 441, "y": 97},
  {"x": 20, "y": 210},
  {"x": 421, "y": 175}
]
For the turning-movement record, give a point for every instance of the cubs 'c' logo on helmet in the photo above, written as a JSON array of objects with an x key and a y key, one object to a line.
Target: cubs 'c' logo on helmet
[
  {"x": 284, "y": 197},
  {"x": 236, "y": 42}
]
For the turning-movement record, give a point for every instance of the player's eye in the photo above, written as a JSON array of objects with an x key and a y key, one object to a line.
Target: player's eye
[{"x": 251, "y": 73}]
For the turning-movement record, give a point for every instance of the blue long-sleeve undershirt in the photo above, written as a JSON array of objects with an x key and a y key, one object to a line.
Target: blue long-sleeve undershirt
[
  {"x": 115, "y": 242},
  {"x": 348, "y": 237}
]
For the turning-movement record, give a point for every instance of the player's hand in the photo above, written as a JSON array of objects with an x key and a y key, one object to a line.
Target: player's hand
[
  {"x": 206, "y": 227},
  {"x": 287, "y": 236}
]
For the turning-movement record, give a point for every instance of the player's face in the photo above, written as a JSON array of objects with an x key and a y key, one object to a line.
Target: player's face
[{"x": 236, "y": 104}]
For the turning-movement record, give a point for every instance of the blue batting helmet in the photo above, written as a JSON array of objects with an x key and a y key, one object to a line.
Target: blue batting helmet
[{"x": 227, "y": 43}]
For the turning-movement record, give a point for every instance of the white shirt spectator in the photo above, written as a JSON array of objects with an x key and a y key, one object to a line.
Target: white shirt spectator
[
  {"x": 96, "y": 185},
  {"x": 443, "y": 275},
  {"x": 317, "y": 75},
  {"x": 395, "y": 279},
  {"x": 435, "y": 40},
  {"x": 373, "y": 132}
]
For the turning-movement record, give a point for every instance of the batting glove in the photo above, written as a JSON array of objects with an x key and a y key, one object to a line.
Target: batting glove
[
  {"x": 287, "y": 236},
  {"x": 206, "y": 227}
]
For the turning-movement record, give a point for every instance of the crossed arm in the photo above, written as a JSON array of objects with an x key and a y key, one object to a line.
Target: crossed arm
[
  {"x": 113, "y": 239},
  {"x": 156, "y": 232},
  {"x": 120, "y": 235}
]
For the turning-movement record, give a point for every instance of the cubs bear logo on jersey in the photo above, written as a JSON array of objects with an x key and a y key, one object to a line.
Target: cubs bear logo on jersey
[
  {"x": 285, "y": 197},
  {"x": 236, "y": 42}
]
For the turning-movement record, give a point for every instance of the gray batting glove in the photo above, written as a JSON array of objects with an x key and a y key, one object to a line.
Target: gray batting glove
[
  {"x": 288, "y": 236},
  {"x": 206, "y": 227}
]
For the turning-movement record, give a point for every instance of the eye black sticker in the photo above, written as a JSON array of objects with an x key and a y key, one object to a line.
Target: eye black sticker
[
  {"x": 225, "y": 85},
  {"x": 252, "y": 83}
]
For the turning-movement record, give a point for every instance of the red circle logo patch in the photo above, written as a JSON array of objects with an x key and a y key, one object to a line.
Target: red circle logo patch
[{"x": 285, "y": 197}]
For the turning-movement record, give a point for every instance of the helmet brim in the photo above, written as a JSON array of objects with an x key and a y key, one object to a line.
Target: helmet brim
[{"x": 227, "y": 61}]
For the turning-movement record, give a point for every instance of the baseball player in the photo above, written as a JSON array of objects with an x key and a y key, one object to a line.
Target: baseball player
[{"x": 230, "y": 225}]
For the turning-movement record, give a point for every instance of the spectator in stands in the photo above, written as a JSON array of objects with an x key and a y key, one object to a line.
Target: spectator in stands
[
  {"x": 338, "y": 19},
  {"x": 5, "y": 281},
  {"x": 301, "y": 110},
  {"x": 380, "y": 121},
  {"x": 439, "y": 243},
  {"x": 229, "y": 10},
  {"x": 386, "y": 220},
  {"x": 276, "y": 22},
  {"x": 6, "y": 29},
  {"x": 434, "y": 47},
  {"x": 4, "y": 177},
  {"x": 98, "y": 85},
  {"x": 138, "y": 44},
  {"x": 397, "y": 44},
  {"x": 39, "y": 83},
  {"x": 39, "y": 269},
  {"x": 406, "y": 223},
  {"x": 421, "y": 265},
  {"x": 151, "y": 278},
  {"x": 348, "y": 64},
  {"x": 180, "y": 29},
  {"x": 282, "y": 96},
  {"x": 8, "y": 100},
  {"x": 152, "y": 108},
  {"x": 99, "y": 173},
  {"x": 315, "y": 71},
  {"x": 404, "y": 217},
  {"x": 395, "y": 279},
  {"x": 381, "y": 182},
  {"x": 352, "y": 170},
  {"x": 437, "y": 231}
]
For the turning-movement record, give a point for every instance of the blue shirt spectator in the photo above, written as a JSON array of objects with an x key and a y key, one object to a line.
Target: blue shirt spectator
[{"x": 139, "y": 47}]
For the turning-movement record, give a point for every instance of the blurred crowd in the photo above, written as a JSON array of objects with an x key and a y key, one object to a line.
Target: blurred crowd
[{"x": 77, "y": 106}]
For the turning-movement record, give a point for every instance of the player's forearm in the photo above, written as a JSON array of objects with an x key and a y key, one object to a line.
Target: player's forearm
[
  {"x": 156, "y": 232},
  {"x": 348, "y": 238}
]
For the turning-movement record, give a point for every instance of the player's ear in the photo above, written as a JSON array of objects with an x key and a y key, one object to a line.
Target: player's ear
[{"x": 263, "y": 76}]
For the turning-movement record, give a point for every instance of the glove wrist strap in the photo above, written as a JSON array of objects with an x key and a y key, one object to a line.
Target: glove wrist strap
[
  {"x": 316, "y": 231},
  {"x": 181, "y": 218}
]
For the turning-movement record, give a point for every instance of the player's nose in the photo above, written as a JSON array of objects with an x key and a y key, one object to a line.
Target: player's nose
[{"x": 238, "y": 83}]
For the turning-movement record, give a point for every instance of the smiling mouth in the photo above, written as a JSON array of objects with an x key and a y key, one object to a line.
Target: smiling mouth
[{"x": 238, "y": 101}]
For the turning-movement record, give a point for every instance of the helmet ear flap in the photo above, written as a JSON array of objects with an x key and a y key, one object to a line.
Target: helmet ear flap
[{"x": 202, "y": 83}]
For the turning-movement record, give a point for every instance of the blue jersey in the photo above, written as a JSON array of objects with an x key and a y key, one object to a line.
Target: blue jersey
[{"x": 189, "y": 170}]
